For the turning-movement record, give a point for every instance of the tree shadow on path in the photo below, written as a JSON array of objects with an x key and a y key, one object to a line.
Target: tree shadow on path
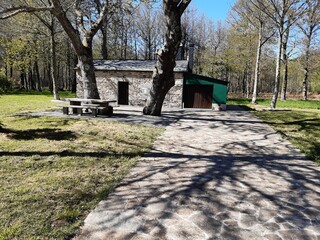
[{"x": 214, "y": 176}]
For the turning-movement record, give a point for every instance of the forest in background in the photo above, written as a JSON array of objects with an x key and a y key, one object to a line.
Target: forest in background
[{"x": 224, "y": 50}]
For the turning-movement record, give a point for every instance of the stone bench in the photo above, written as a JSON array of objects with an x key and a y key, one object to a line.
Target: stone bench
[
  {"x": 95, "y": 109},
  {"x": 79, "y": 108}
]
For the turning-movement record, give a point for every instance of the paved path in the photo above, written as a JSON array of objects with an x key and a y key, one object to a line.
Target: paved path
[{"x": 214, "y": 175}]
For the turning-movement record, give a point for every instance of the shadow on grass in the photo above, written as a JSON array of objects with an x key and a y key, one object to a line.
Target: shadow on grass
[
  {"x": 314, "y": 151},
  {"x": 239, "y": 107},
  {"x": 314, "y": 122},
  {"x": 308, "y": 145},
  {"x": 67, "y": 153},
  {"x": 45, "y": 133}
]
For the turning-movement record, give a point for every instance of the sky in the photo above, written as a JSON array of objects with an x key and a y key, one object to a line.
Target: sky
[{"x": 214, "y": 9}]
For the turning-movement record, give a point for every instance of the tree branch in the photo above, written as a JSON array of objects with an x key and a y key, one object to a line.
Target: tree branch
[
  {"x": 67, "y": 26},
  {"x": 12, "y": 11},
  {"x": 182, "y": 6}
]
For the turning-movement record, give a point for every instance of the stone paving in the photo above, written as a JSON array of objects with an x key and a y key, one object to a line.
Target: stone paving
[{"x": 214, "y": 175}]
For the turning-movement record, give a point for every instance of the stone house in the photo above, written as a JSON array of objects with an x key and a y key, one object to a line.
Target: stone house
[{"x": 129, "y": 82}]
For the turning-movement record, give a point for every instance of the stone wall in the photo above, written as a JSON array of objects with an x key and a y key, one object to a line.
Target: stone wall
[{"x": 139, "y": 86}]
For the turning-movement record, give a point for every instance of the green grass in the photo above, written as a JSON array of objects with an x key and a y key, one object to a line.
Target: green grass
[
  {"x": 262, "y": 102},
  {"x": 45, "y": 92},
  {"x": 53, "y": 171},
  {"x": 22, "y": 102},
  {"x": 299, "y": 123},
  {"x": 300, "y": 127}
]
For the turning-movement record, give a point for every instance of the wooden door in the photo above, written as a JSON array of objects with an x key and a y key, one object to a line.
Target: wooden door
[
  {"x": 198, "y": 96},
  {"x": 123, "y": 93}
]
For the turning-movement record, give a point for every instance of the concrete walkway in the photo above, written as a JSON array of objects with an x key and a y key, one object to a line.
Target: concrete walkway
[{"x": 214, "y": 175}]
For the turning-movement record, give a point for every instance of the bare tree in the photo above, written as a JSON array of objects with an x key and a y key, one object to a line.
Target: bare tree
[
  {"x": 283, "y": 13},
  {"x": 309, "y": 25},
  {"x": 149, "y": 28},
  {"x": 89, "y": 21},
  {"x": 285, "y": 63},
  {"x": 50, "y": 22},
  {"x": 163, "y": 76},
  {"x": 252, "y": 11}
]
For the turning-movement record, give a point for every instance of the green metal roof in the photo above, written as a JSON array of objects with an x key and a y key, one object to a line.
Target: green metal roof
[{"x": 190, "y": 76}]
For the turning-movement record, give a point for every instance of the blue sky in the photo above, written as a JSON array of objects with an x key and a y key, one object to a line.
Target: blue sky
[{"x": 214, "y": 9}]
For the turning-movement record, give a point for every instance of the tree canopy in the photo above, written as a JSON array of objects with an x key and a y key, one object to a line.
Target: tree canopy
[{"x": 241, "y": 50}]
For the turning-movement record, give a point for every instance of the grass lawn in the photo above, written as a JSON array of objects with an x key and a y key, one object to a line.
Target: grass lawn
[
  {"x": 300, "y": 123},
  {"x": 53, "y": 171},
  {"x": 264, "y": 103}
]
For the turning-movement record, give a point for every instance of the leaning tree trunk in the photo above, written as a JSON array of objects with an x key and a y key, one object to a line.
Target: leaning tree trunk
[
  {"x": 277, "y": 78},
  {"x": 163, "y": 75},
  {"x": 163, "y": 80},
  {"x": 82, "y": 48}
]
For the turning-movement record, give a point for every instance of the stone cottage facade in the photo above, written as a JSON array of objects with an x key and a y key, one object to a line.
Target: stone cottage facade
[{"x": 129, "y": 81}]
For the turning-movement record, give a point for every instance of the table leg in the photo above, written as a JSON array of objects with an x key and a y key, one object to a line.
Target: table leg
[{"x": 75, "y": 110}]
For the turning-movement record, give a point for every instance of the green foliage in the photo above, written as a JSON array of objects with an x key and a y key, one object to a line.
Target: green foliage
[
  {"x": 295, "y": 71},
  {"x": 315, "y": 86},
  {"x": 315, "y": 81},
  {"x": 55, "y": 170},
  {"x": 19, "y": 52}
]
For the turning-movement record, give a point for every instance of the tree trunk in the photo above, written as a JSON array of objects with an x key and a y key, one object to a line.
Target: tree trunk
[
  {"x": 257, "y": 67},
  {"x": 6, "y": 69},
  {"x": 285, "y": 61},
  {"x": 244, "y": 82},
  {"x": 277, "y": 78},
  {"x": 306, "y": 69},
  {"x": 83, "y": 48},
  {"x": 11, "y": 71},
  {"x": 31, "y": 84},
  {"x": 37, "y": 76},
  {"x": 163, "y": 80},
  {"x": 50, "y": 77},
  {"x": 73, "y": 75},
  {"x": 104, "y": 48},
  {"x": 163, "y": 75},
  {"x": 23, "y": 82},
  {"x": 85, "y": 64},
  {"x": 285, "y": 78},
  {"x": 53, "y": 64},
  {"x": 305, "y": 84}
]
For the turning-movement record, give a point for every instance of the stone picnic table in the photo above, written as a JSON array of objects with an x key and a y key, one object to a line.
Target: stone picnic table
[{"x": 83, "y": 105}]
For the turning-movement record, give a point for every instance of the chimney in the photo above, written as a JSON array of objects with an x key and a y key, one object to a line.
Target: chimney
[{"x": 190, "y": 56}]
